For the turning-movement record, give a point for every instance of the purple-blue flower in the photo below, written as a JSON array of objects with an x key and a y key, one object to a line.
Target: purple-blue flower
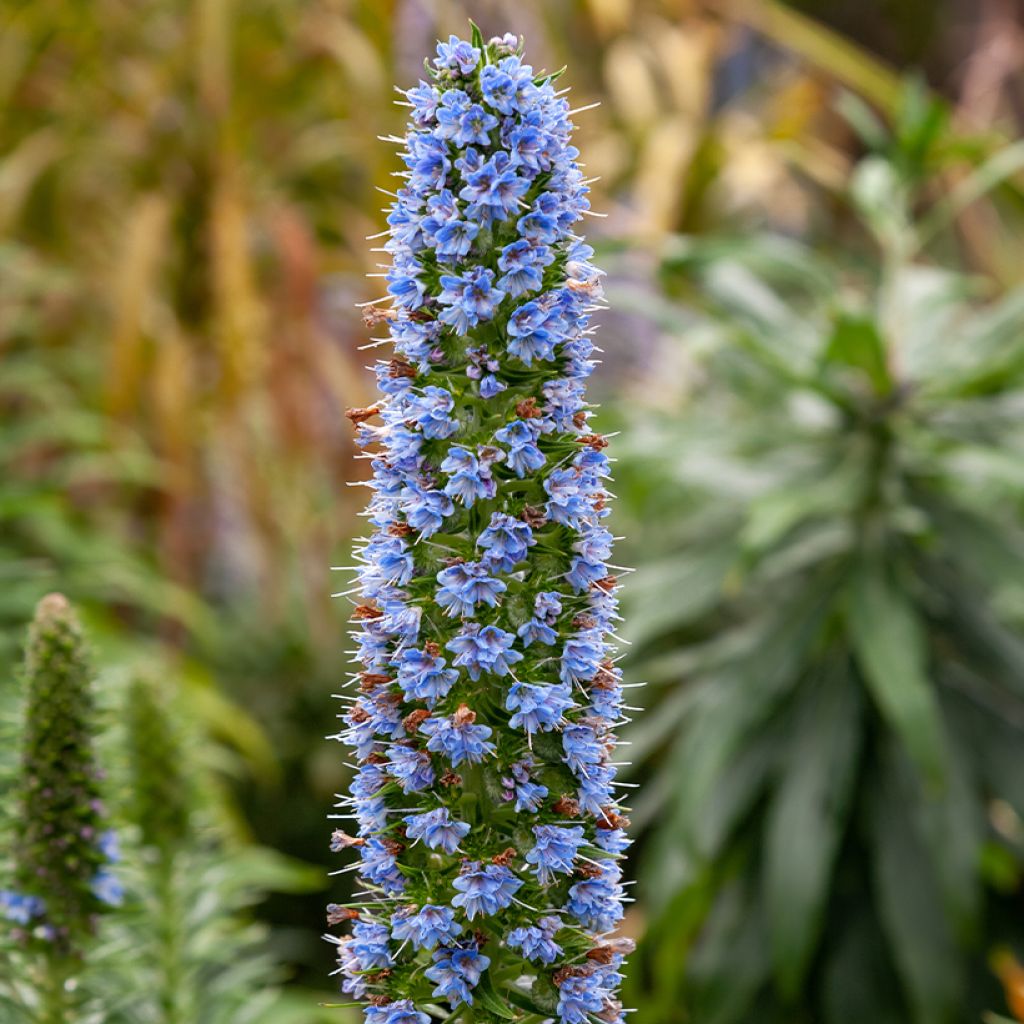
[
  {"x": 410, "y": 768},
  {"x": 400, "y": 1012},
  {"x": 468, "y": 481},
  {"x": 465, "y": 585},
  {"x": 484, "y": 890},
  {"x": 458, "y": 738},
  {"x": 537, "y": 707},
  {"x": 506, "y": 541},
  {"x": 520, "y": 786},
  {"x": 427, "y": 928},
  {"x": 554, "y": 851},
  {"x": 484, "y": 649},
  {"x": 457, "y": 972},
  {"x": 457, "y": 55},
  {"x": 536, "y": 942},
  {"x": 423, "y": 676},
  {"x": 469, "y": 298},
  {"x": 437, "y": 829}
]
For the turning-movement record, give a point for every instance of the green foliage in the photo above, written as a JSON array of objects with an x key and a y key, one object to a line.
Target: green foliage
[
  {"x": 838, "y": 605},
  {"x": 185, "y": 948}
]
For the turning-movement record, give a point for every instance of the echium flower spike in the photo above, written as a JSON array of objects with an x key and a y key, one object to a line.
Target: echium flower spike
[
  {"x": 161, "y": 789},
  {"x": 62, "y": 851},
  {"x": 486, "y": 819}
]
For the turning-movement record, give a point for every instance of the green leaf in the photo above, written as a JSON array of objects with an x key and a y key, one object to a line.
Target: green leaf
[
  {"x": 831, "y": 493},
  {"x": 489, "y": 999},
  {"x": 889, "y": 644},
  {"x": 544, "y": 77},
  {"x": 863, "y": 120},
  {"x": 910, "y": 900},
  {"x": 477, "y": 38},
  {"x": 807, "y": 818},
  {"x": 859, "y": 981},
  {"x": 672, "y": 592},
  {"x": 730, "y": 963},
  {"x": 1003, "y": 164},
  {"x": 954, "y": 827},
  {"x": 856, "y": 343},
  {"x": 880, "y": 197}
]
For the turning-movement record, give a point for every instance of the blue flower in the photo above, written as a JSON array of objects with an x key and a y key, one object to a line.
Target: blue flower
[
  {"x": 491, "y": 386},
  {"x": 457, "y": 972},
  {"x": 465, "y": 585},
  {"x": 506, "y": 540},
  {"x": 423, "y": 99},
  {"x": 519, "y": 786},
  {"x": 582, "y": 748},
  {"x": 455, "y": 239},
  {"x": 108, "y": 888},
  {"x": 538, "y": 228},
  {"x": 401, "y": 1011},
  {"x": 453, "y": 104},
  {"x": 468, "y": 481},
  {"x": 580, "y": 996},
  {"x": 369, "y": 946},
  {"x": 524, "y": 456},
  {"x": 522, "y": 265},
  {"x": 581, "y": 656},
  {"x": 554, "y": 851},
  {"x": 411, "y": 768},
  {"x": 536, "y": 631},
  {"x": 529, "y": 335},
  {"x": 427, "y": 928},
  {"x": 460, "y": 56},
  {"x": 406, "y": 286},
  {"x": 530, "y": 148},
  {"x": 538, "y": 707},
  {"x": 436, "y": 829},
  {"x": 425, "y": 510},
  {"x": 484, "y": 890},
  {"x": 380, "y": 867},
  {"x": 537, "y": 943},
  {"x": 498, "y": 88},
  {"x": 19, "y": 908},
  {"x": 475, "y": 125},
  {"x": 494, "y": 190},
  {"x": 595, "y": 789},
  {"x": 423, "y": 676},
  {"x": 483, "y": 649},
  {"x": 596, "y": 902},
  {"x": 458, "y": 738},
  {"x": 431, "y": 410},
  {"x": 469, "y": 299}
]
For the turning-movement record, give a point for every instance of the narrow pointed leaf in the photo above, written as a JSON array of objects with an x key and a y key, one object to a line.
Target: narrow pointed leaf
[{"x": 890, "y": 648}]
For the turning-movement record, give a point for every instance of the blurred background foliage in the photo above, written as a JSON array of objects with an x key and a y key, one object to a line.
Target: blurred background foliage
[{"x": 814, "y": 360}]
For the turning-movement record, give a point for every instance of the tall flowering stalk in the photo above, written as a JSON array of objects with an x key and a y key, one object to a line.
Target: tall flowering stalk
[
  {"x": 487, "y": 825},
  {"x": 62, "y": 852}
]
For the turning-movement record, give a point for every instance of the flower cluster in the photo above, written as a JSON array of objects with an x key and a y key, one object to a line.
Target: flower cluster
[
  {"x": 485, "y": 811},
  {"x": 63, "y": 855}
]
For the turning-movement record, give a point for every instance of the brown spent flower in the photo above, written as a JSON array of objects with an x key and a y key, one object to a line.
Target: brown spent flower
[
  {"x": 415, "y": 719},
  {"x": 362, "y": 415}
]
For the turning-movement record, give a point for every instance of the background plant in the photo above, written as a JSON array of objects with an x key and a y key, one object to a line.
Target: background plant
[{"x": 838, "y": 816}]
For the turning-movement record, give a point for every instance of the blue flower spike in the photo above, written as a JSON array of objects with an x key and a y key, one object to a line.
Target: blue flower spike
[{"x": 486, "y": 818}]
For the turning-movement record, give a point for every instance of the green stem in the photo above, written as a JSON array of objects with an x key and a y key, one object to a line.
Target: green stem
[
  {"x": 54, "y": 1002},
  {"x": 170, "y": 936}
]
